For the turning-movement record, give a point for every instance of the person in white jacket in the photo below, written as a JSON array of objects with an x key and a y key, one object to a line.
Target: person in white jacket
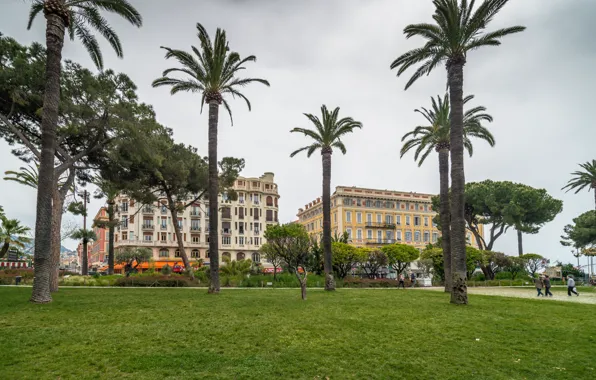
[{"x": 571, "y": 286}]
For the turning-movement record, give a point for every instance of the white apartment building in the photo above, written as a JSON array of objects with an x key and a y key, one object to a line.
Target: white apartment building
[{"x": 241, "y": 224}]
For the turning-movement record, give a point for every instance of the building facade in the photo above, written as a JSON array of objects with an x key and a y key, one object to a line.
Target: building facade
[
  {"x": 373, "y": 218},
  {"x": 98, "y": 254},
  {"x": 241, "y": 224}
]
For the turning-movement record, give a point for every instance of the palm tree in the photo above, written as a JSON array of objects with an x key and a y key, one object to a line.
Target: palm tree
[
  {"x": 76, "y": 16},
  {"x": 326, "y": 135},
  {"x": 108, "y": 190},
  {"x": 458, "y": 29},
  {"x": 29, "y": 176},
  {"x": 86, "y": 236},
  {"x": 435, "y": 136},
  {"x": 212, "y": 71},
  {"x": 583, "y": 178},
  {"x": 12, "y": 233}
]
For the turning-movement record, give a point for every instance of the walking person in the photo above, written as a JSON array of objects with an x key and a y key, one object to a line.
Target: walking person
[
  {"x": 413, "y": 279},
  {"x": 539, "y": 284},
  {"x": 546, "y": 282},
  {"x": 401, "y": 281},
  {"x": 571, "y": 286}
]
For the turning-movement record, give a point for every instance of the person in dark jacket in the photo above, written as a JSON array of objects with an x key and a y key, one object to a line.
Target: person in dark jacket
[{"x": 546, "y": 282}]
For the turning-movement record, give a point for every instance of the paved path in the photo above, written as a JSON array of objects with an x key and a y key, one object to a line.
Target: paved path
[{"x": 527, "y": 292}]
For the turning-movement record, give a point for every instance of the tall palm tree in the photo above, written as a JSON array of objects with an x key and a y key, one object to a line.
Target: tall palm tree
[
  {"x": 109, "y": 191},
  {"x": 29, "y": 176},
  {"x": 78, "y": 17},
  {"x": 211, "y": 70},
  {"x": 86, "y": 236},
  {"x": 326, "y": 135},
  {"x": 12, "y": 233},
  {"x": 458, "y": 29},
  {"x": 583, "y": 178},
  {"x": 435, "y": 136}
]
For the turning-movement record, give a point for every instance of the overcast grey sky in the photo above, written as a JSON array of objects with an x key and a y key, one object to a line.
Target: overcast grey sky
[{"x": 538, "y": 86}]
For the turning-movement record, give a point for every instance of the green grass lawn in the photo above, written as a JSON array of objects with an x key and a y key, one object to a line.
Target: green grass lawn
[{"x": 266, "y": 334}]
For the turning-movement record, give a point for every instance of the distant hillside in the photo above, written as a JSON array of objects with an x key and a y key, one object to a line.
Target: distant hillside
[{"x": 29, "y": 248}]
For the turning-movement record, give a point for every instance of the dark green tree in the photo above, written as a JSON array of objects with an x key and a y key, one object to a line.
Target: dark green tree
[
  {"x": 292, "y": 243},
  {"x": 458, "y": 28},
  {"x": 327, "y": 134},
  {"x": 435, "y": 136},
  {"x": 585, "y": 178},
  {"x": 582, "y": 233},
  {"x": 76, "y": 17},
  {"x": 212, "y": 71}
]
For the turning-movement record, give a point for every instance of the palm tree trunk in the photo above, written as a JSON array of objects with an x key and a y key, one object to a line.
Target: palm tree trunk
[
  {"x": 85, "y": 266},
  {"x": 45, "y": 187},
  {"x": 4, "y": 249},
  {"x": 455, "y": 79},
  {"x": 213, "y": 198},
  {"x": 445, "y": 215},
  {"x": 329, "y": 281},
  {"x": 111, "y": 227},
  {"x": 520, "y": 246},
  {"x": 178, "y": 233},
  {"x": 58, "y": 203}
]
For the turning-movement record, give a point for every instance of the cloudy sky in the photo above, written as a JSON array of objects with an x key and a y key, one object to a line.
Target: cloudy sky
[{"x": 538, "y": 86}]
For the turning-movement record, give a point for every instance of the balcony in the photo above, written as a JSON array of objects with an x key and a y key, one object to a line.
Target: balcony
[
  {"x": 226, "y": 216},
  {"x": 147, "y": 210},
  {"x": 390, "y": 226},
  {"x": 381, "y": 241},
  {"x": 147, "y": 227},
  {"x": 163, "y": 227},
  {"x": 195, "y": 214},
  {"x": 195, "y": 228},
  {"x": 226, "y": 231}
]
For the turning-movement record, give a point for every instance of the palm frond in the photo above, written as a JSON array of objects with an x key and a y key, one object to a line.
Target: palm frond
[{"x": 89, "y": 42}]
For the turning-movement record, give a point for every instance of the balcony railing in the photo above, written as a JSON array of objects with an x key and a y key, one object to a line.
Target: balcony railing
[
  {"x": 381, "y": 241},
  {"x": 226, "y": 231},
  {"x": 195, "y": 213},
  {"x": 226, "y": 216},
  {"x": 380, "y": 225},
  {"x": 148, "y": 227},
  {"x": 195, "y": 228},
  {"x": 163, "y": 227},
  {"x": 147, "y": 210}
]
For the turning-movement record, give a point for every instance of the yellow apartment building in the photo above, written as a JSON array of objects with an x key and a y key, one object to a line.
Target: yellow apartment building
[{"x": 373, "y": 218}]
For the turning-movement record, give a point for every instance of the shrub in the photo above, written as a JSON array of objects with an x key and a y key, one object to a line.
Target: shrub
[
  {"x": 157, "y": 281},
  {"x": 166, "y": 270},
  {"x": 353, "y": 282},
  {"x": 478, "y": 277}
]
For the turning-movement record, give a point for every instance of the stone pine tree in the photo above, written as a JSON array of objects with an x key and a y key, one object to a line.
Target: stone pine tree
[
  {"x": 435, "y": 136},
  {"x": 212, "y": 70},
  {"x": 326, "y": 134},
  {"x": 77, "y": 18},
  {"x": 458, "y": 28}
]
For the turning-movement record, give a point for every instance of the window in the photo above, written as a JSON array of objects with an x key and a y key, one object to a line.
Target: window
[
  {"x": 257, "y": 241},
  {"x": 426, "y": 221},
  {"x": 417, "y": 236},
  {"x": 416, "y": 206},
  {"x": 269, "y": 201},
  {"x": 348, "y": 202},
  {"x": 389, "y": 235},
  {"x": 335, "y": 218},
  {"x": 349, "y": 231},
  {"x": 124, "y": 223},
  {"x": 408, "y": 236},
  {"x": 195, "y": 225},
  {"x": 164, "y": 236},
  {"x": 177, "y": 253},
  {"x": 131, "y": 236},
  {"x": 359, "y": 234},
  {"x": 379, "y": 236},
  {"x": 368, "y": 203},
  {"x": 164, "y": 209},
  {"x": 359, "y": 217},
  {"x": 369, "y": 234},
  {"x": 348, "y": 216},
  {"x": 124, "y": 206},
  {"x": 241, "y": 240},
  {"x": 379, "y": 218},
  {"x": 148, "y": 237},
  {"x": 398, "y": 235},
  {"x": 369, "y": 218},
  {"x": 426, "y": 236},
  {"x": 256, "y": 257},
  {"x": 435, "y": 237},
  {"x": 164, "y": 223},
  {"x": 425, "y": 207},
  {"x": 416, "y": 220},
  {"x": 378, "y": 204},
  {"x": 407, "y": 220},
  {"x": 388, "y": 219},
  {"x": 164, "y": 253},
  {"x": 398, "y": 220},
  {"x": 269, "y": 215},
  {"x": 125, "y": 235},
  {"x": 226, "y": 240},
  {"x": 195, "y": 239},
  {"x": 358, "y": 202},
  {"x": 194, "y": 254}
]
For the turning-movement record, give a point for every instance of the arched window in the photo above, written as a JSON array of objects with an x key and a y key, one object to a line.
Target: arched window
[
  {"x": 275, "y": 201},
  {"x": 240, "y": 256},
  {"x": 194, "y": 254},
  {"x": 269, "y": 200},
  {"x": 164, "y": 253},
  {"x": 256, "y": 257},
  {"x": 226, "y": 254},
  {"x": 177, "y": 253},
  {"x": 207, "y": 254}
]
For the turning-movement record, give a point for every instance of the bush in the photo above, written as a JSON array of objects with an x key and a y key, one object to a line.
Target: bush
[
  {"x": 478, "y": 277},
  {"x": 156, "y": 281},
  {"x": 503, "y": 276},
  {"x": 354, "y": 282}
]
